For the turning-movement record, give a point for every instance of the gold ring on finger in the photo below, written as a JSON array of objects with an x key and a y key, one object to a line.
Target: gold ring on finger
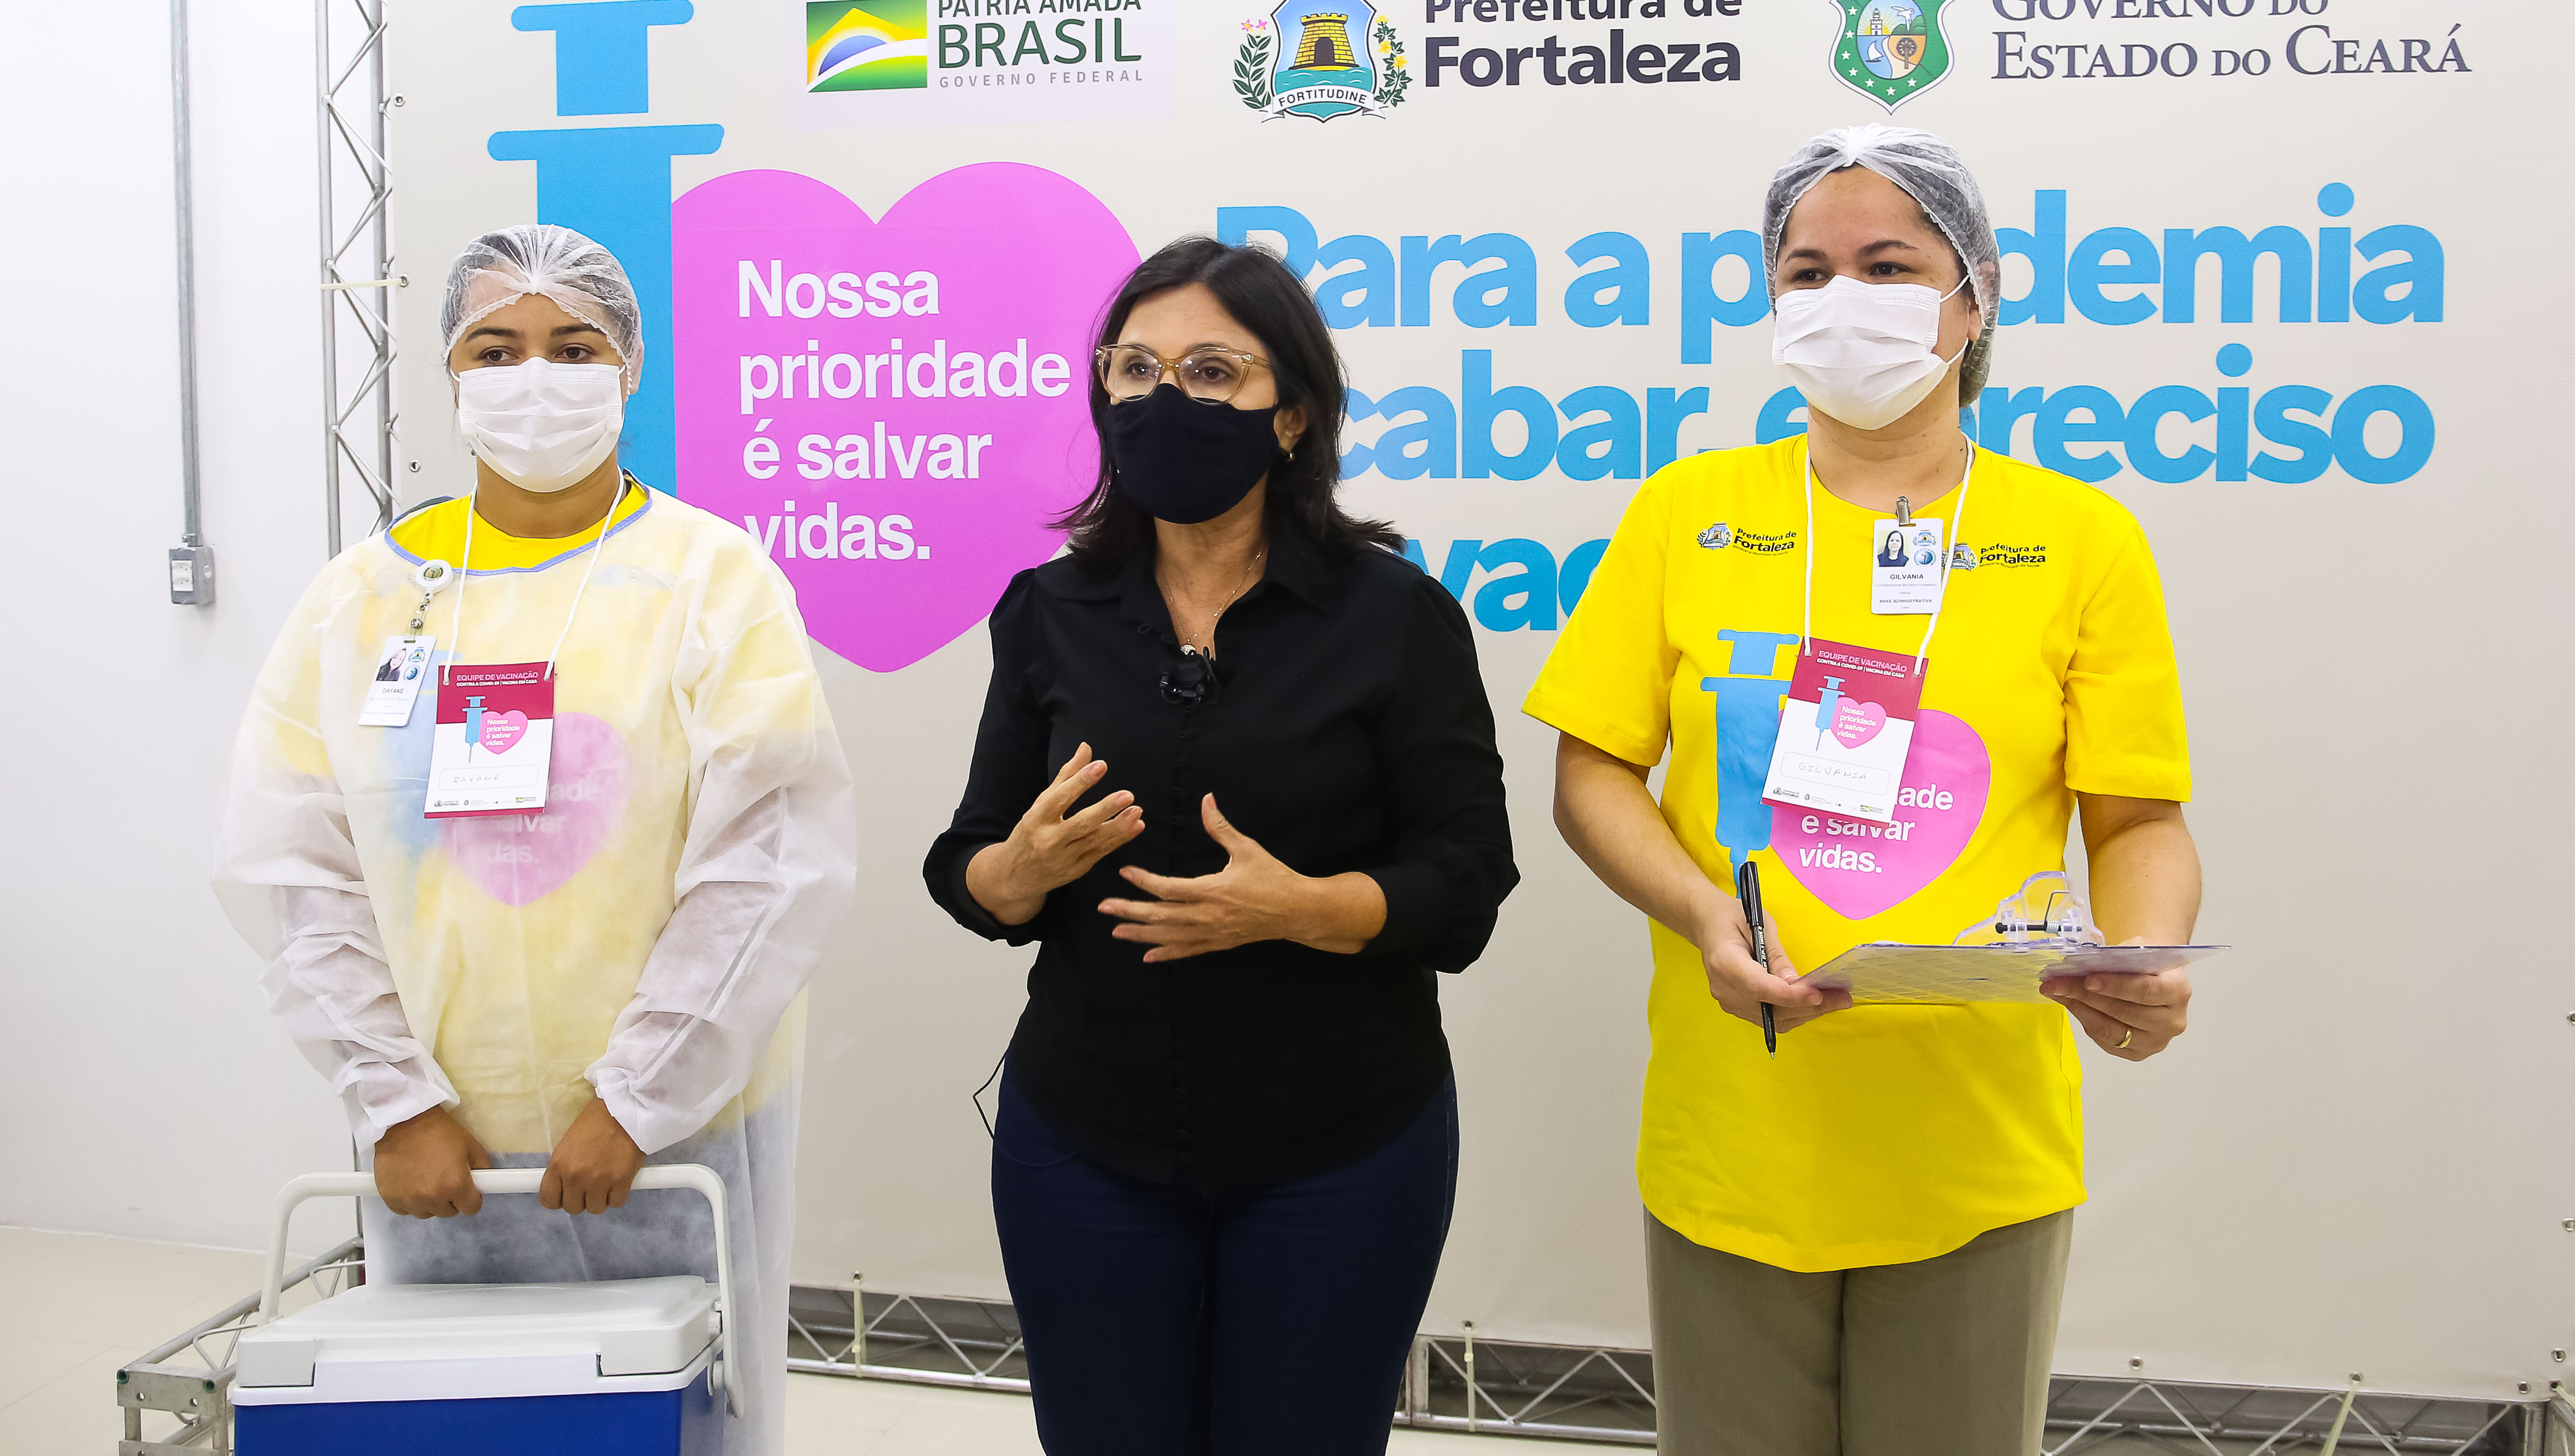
[{"x": 2130, "y": 1035}]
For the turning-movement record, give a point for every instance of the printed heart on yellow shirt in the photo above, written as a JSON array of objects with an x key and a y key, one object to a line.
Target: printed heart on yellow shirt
[
  {"x": 1858, "y": 869},
  {"x": 518, "y": 859}
]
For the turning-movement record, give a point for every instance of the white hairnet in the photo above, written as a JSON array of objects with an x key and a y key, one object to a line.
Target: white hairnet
[
  {"x": 1933, "y": 173},
  {"x": 584, "y": 279}
]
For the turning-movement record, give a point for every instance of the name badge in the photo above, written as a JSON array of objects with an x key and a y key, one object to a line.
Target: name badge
[
  {"x": 1906, "y": 561},
  {"x": 1844, "y": 730},
  {"x": 494, "y": 740},
  {"x": 400, "y": 668}
]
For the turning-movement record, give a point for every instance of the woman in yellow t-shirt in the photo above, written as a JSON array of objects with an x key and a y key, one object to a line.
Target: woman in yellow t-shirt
[{"x": 1857, "y": 1248}]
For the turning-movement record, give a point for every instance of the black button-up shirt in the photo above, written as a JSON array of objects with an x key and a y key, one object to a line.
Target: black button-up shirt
[{"x": 1344, "y": 729}]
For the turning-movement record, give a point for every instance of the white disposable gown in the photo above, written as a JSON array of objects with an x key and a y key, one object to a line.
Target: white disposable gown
[{"x": 645, "y": 940}]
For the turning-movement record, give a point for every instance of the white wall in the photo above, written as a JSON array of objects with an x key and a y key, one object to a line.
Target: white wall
[{"x": 144, "y": 1090}]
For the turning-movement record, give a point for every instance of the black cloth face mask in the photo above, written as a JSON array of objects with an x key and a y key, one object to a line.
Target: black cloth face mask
[{"x": 1187, "y": 462}]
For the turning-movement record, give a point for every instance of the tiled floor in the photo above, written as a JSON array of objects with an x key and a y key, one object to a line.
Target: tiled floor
[{"x": 76, "y": 1306}]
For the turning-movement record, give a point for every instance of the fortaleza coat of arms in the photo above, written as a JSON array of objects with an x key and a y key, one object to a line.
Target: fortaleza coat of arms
[
  {"x": 1320, "y": 58},
  {"x": 1890, "y": 51}
]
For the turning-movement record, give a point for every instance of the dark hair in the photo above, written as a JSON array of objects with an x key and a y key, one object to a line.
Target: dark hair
[{"x": 1259, "y": 290}]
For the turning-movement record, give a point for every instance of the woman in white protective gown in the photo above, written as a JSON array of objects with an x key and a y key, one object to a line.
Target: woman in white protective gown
[{"x": 617, "y": 978}]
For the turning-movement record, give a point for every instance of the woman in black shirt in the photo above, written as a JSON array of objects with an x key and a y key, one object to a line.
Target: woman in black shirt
[{"x": 1237, "y": 777}]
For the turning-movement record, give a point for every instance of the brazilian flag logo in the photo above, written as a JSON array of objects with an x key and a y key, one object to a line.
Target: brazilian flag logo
[
  {"x": 879, "y": 46},
  {"x": 1890, "y": 51}
]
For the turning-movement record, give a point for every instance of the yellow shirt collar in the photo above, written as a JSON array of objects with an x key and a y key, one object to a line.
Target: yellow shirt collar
[{"x": 437, "y": 532}]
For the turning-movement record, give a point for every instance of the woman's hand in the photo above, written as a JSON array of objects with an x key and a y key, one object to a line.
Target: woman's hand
[
  {"x": 2145, "y": 886},
  {"x": 594, "y": 1168},
  {"x": 1049, "y": 848},
  {"x": 1737, "y": 981},
  {"x": 1255, "y": 897},
  {"x": 2131, "y": 1016},
  {"x": 425, "y": 1166},
  {"x": 1604, "y": 812}
]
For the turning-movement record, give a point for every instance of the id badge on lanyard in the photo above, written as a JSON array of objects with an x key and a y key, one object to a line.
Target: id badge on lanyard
[
  {"x": 1905, "y": 571},
  {"x": 1845, "y": 731},
  {"x": 494, "y": 741},
  {"x": 404, "y": 664},
  {"x": 1847, "y": 726},
  {"x": 399, "y": 673},
  {"x": 492, "y": 749}
]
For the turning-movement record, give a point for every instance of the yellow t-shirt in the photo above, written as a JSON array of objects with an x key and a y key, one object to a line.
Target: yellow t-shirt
[
  {"x": 436, "y": 531},
  {"x": 1881, "y": 1135}
]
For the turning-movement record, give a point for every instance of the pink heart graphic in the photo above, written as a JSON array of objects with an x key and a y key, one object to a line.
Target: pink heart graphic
[
  {"x": 501, "y": 729},
  {"x": 521, "y": 857},
  {"x": 1867, "y": 868},
  {"x": 1857, "y": 723},
  {"x": 926, "y": 432}
]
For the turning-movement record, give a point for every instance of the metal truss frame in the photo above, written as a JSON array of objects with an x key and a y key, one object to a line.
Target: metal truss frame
[
  {"x": 1451, "y": 1382},
  {"x": 1512, "y": 1388},
  {"x": 1605, "y": 1395},
  {"x": 1459, "y": 1383},
  {"x": 359, "y": 418},
  {"x": 191, "y": 1376},
  {"x": 2195, "y": 1419},
  {"x": 971, "y": 1344}
]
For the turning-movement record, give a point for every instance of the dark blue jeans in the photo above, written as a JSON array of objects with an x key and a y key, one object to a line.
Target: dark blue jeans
[{"x": 1169, "y": 1319}]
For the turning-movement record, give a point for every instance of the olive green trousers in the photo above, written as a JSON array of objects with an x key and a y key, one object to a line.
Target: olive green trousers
[{"x": 1944, "y": 1357}]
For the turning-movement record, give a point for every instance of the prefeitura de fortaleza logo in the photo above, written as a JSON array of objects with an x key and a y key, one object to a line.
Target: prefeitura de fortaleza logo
[
  {"x": 1890, "y": 51},
  {"x": 1320, "y": 59}
]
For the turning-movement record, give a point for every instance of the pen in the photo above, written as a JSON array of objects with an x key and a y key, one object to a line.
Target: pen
[{"x": 1747, "y": 893}]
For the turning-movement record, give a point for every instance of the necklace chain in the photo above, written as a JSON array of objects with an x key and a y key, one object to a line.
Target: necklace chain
[{"x": 1189, "y": 642}]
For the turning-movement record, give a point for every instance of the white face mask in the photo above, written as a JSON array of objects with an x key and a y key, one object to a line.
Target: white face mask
[
  {"x": 1863, "y": 353},
  {"x": 541, "y": 426}
]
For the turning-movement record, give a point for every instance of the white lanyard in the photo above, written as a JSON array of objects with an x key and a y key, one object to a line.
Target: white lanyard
[
  {"x": 464, "y": 573},
  {"x": 1806, "y": 621}
]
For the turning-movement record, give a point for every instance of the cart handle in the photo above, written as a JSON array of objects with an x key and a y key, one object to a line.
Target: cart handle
[{"x": 516, "y": 1180}]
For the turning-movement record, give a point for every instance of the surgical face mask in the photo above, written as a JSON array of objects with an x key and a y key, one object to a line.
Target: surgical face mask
[
  {"x": 1186, "y": 461},
  {"x": 1863, "y": 353},
  {"x": 541, "y": 426}
]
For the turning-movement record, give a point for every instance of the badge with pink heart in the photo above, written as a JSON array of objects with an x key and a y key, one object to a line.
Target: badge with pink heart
[
  {"x": 494, "y": 741},
  {"x": 1844, "y": 730}
]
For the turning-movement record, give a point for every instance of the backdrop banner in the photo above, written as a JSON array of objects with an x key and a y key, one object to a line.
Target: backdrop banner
[{"x": 2273, "y": 278}]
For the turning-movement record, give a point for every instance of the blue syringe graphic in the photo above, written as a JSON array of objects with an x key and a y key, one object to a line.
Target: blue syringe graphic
[
  {"x": 473, "y": 725},
  {"x": 1826, "y": 703}
]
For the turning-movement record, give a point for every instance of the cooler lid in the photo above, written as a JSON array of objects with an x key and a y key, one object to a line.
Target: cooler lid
[{"x": 610, "y": 1327}]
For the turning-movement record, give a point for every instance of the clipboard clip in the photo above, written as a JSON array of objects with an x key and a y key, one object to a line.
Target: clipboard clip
[
  {"x": 2044, "y": 908},
  {"x": 2060, "y": 923}
]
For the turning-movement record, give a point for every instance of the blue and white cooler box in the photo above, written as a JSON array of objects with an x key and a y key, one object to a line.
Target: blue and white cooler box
[{"x": 633, "y": 1366}]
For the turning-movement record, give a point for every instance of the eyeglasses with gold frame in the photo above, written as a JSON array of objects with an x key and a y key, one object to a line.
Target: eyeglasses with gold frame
[{"x": 1207, "y": 374}]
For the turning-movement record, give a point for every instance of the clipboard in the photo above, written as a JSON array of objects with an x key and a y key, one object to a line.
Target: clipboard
[{"x": 1891, "y": 973}]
